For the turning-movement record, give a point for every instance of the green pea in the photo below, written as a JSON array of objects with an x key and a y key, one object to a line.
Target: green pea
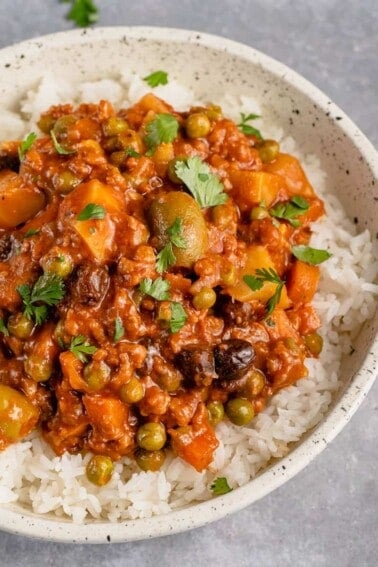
[
  {"x": 259, "y": 213},
  {"x": 214, "y": 112},
  {"x": 150, "y": 460},
  {"x": 313, "y": 341},
  {"x": 96, "y": 375},
  {"x": 60, "y": 265},
  {"x": 254, "y": 384},
  {"x": 197, "y": 125},
  {"x": 205, "y": 298},
  {"x": 38, "y": 368},
  {"x": 170, "y": 381},
  {"x": 216, "y": 412},
  {"x": 239, "y": 411},
  {"x": 100, "y": 470},
  {"x": 46, "y": 123},
  {"x": 65, "y": 182},
  {"x": 269, "y": 150},
  {"x": 20, "y": 326},
  {"x": 132, "y": 392},
  {"x": 151, "y": 436},
  {"x": 63, "y": 124},
  {"x": 115, "y": 126}
]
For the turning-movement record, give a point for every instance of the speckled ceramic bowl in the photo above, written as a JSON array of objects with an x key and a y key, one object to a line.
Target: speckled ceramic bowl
[{"x": 211, "y": 66}]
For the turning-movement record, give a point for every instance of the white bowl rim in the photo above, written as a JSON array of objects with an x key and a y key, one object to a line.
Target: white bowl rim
[{"x": 30, "y": 525}]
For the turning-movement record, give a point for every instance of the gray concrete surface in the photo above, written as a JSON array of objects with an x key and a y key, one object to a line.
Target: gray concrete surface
[{"x": 328, "y": 514}]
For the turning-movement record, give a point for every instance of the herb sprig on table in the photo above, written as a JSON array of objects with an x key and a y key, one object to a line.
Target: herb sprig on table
[{"x": 82, "y": 12}]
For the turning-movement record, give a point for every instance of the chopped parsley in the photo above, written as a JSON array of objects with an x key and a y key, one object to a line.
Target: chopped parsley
[
  {"x": 163, "y": 128},
  {"x": 157, "y": 78},
  {"x": 178, "y": 317},
  {"x": 119, "y": 330},
  {"x": 257, "y": 281},
  {"x": 47, "y": 291},
  {"x": 82, "y": 12},
  {"x": 220, "y": 486},
  {"x": 58, "y": 148},
  {"x": 26, "y": 144},
  {"x": 3, "y": 328},
  {"x": 80, "y": 347},
  {"x": 92, "y": 211},
  {"x": 166, "y": 256},
  {"x": 246, "y": 128},
  {"x": 31, "y": 232},
  {"x": 130, "y": 152},
  {"x": 158, "y": 289},
  {"x": 205, "y": 186},
  {"x": 310, "y": 255},
  {"x": 291, "y": 210}
]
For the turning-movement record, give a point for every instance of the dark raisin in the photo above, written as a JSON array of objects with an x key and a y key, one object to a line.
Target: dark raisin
[
  {"x": 5, "y": 247},
  {"x": 233, "y": 358},
  {"x": 90, "y": 285},
  {"x": 196, "y": 364}
]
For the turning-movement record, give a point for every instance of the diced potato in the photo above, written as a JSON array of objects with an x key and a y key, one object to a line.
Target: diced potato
[
  {"x": 303, "y": 282},
  {"x": 257, "y": 257},
  {"x": 18, "y": 202},
  {"x": 253, "y": 187},
  {"x": 98, "y": 234},
  {"x": 291, "y": 170}
]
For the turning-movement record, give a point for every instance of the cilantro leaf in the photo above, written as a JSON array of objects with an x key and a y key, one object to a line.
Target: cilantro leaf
[
  {"x": 166, "y": 256},
  {"x": 220, "y": 486},
  {"x": 157, "y": 78},
  {"x": 178, "y": 317},
  {"x": 205, "y": 186},
  {"x": 130, "y": 152},
  {"x": 83, "y": 12},
  {"x": 291, "y": 210},
  {"x": 257, "y": 281},
  {"x": 26, "y": 145},
  {"x": 80, "y": 347},
  {"x": 163, "y": 128},
  {"x": 48, "y": 290},
  {"x": 119, "y": 330},
  {"x": 92, "y": 211},
  {"x": 3, "y": 328},
  {"x": 158, "y": 289},
  {"x": 247, "y": 129},
  {"x": 58, "y": 148},
  {"x": 310, "y": 255},
  {"x": 31, "y": 232}
]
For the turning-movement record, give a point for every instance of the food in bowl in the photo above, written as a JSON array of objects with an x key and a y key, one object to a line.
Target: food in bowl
[{"x": 157, "y": 276}]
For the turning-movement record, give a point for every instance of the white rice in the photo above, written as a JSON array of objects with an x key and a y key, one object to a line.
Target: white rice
[{"x": 32, "y": 475}]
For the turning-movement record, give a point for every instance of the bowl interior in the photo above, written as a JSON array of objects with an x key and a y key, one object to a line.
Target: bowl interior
[{"x": 212, "y": 66}]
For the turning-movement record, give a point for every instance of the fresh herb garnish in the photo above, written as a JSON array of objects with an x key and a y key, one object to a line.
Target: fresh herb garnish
[
  {"x": 247, "y": 129},
  {"x": 220, "y": 486},
  {"x": 163, "y": 128},
  {"x": 158, "y": 289},
  {"x": 58, "y": 148},
  {"x": 31, "y": 232},
  {"x": 166, "y": 256},
  {"x": 205, "y": 186},
  {"x": 130, "y": 152},
  {"x": 310, "y": 255},
  {"x": 3, "y": 328},
  {"x": 157, "y": 78},
  {"x": 119, "y": 330},
  {"x": 290, "y": 210},
  {"x": 26, "y": 144},
  {"x": 257, "y": 281},
  {"x": 178, "y": 317},
  {"x": 47, "y": 291},
  {"x": 92, "y": 211},
  {"x": 82, "y": 12},
  {"x": 80, "y": 347}
]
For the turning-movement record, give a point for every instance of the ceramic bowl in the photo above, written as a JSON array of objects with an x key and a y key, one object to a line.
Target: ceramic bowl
[{"x": 210, "y": 66}]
